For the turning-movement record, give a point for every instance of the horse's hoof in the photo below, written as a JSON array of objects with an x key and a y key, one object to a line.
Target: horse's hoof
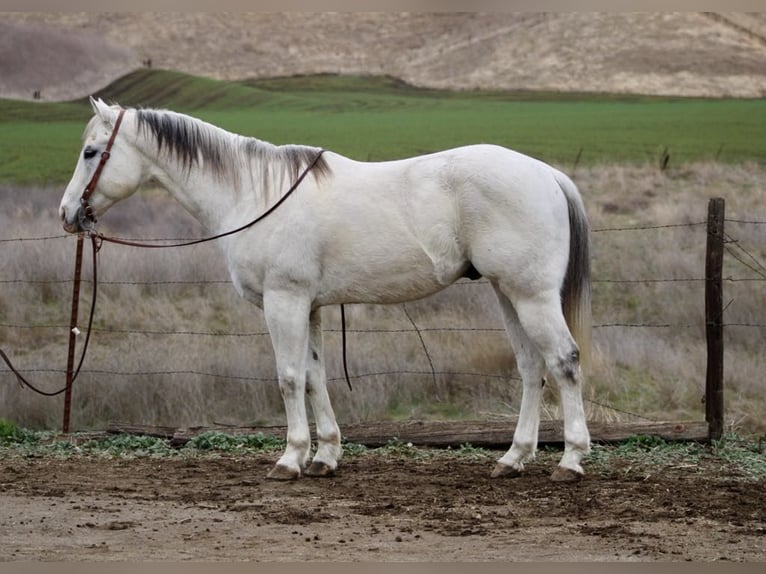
[
  {"x": 562, "y": 474},
  {"x": 319, "y": 470},
  {"x": 505, "y": 471},
  {"x": 280, "y": 472}
]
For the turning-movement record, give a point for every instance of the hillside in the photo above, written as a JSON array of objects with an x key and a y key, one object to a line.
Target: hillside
[{"x": 689, "y": 54}]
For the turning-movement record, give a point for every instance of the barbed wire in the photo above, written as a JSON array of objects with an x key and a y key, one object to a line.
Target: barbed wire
[
  {"x": 188, "y": 372},
  {"x": 133, "y": 283},
  {"x": 175, "y": 239},
  {"x": 755, "y": 265},
  {"x": 152, "y": 373},
  {"x": 39, "y": 238},
  {"x": 373, "y": 331},
  {"x": 628, "y": 281},
  {"x": 273, "y": 379},
  {"x": 227, "y": 282},
  {"x": 746, "y": 221},
  {"x": 646, "y": 227},
  {"x": 733, "y": 247},
  {"x": 617, "y": 410}
]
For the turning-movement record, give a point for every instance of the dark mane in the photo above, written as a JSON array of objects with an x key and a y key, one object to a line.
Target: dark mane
[{"x": 195, "y": 143}]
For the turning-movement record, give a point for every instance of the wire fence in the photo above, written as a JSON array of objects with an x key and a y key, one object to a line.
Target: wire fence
[
  {"x": 745, "y": 268},
  {"x": 734, "y": 248}
]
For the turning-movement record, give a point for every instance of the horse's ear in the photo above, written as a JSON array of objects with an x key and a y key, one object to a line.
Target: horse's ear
[{"x": 105, "y": 112}]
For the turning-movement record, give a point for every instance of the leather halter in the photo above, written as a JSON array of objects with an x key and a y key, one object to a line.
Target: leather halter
[{"x": 86, "y": 212}]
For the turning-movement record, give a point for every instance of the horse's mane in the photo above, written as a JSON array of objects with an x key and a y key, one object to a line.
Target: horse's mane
[{"x": 228, "y": 156}]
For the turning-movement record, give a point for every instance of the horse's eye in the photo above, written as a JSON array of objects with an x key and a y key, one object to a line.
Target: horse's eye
[{"x": 89, "y": 152}]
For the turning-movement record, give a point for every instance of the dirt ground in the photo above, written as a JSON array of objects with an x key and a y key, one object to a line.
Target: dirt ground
[{"x": 376, "y": 508}]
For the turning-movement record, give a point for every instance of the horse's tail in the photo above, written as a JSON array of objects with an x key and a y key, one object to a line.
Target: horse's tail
[{"x": 575, "y": 292}]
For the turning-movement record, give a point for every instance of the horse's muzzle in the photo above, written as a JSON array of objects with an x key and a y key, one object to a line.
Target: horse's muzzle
[{"x": 82, "y": 221}]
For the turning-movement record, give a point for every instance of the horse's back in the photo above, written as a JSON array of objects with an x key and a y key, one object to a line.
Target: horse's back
[
  {"x": 462, "y": 201},
  {"x": 462, "y": 176},
  {"x": 398, "y": 230}
]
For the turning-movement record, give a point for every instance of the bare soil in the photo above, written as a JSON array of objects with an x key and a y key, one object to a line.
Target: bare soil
[{"x": 378, "y": 507}]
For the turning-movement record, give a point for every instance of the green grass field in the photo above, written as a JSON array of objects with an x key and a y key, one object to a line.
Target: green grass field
[{"x": 381, "y": 118}]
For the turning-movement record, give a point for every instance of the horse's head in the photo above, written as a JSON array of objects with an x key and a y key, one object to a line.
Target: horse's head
[{"x": 114, "y": 180}]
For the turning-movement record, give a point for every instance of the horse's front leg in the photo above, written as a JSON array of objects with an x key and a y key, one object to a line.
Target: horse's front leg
[
  {"x": 287, "y": 316},
  {"x": 329, "y": 449}
]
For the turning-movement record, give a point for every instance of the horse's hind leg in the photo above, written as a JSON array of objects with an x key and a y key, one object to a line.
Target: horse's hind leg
[
  {"x": 543, "y": 322},
  {"x": 531, "y": 366},
  {"x": 329, "y": 449}
]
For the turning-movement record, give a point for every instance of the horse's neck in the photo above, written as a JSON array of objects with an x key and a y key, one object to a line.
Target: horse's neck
[
  {"x": 228, "y": 179},
  {"x": 202, "y": 194},
  {"x": 198, "y": 195}
]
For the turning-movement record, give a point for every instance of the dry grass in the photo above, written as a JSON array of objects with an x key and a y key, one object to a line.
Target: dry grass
[
  {"x": 662, "y": 370},
  {"x": 134, "y": 375},
  {"x": 683, "y": 53}
]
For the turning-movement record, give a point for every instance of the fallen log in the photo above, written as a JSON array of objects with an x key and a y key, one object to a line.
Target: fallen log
[{"x": 486, "y": 434}]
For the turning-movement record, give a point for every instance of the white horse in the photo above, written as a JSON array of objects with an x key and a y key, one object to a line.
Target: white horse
[{"x": 357, "y": 232}]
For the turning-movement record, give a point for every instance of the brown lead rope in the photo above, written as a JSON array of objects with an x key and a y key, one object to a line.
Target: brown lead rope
[
  {"x": 265, "y": 214},
  {"x": 86, "y": 212},
  {"x": 242, "y": 228},
  {"x": 96, "y": 241},
  {"x": 343, "y": 344},
  {"x": 71, "y": 376}
]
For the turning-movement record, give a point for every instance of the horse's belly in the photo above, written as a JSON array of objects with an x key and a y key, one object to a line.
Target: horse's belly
[
  {"x": 351, "y": 272},
  {"x": 388, "y": 276},
  {"x": 382, "y": 289}
]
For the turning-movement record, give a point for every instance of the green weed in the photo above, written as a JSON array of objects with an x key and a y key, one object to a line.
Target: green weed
[
  {"x": 128, "y": 445},
  {"x": 219, "y": 441},
  {"x": 399, "y": 448},
  {"x": 353, "y": 448},
  {"x": 643, "y": 456},
  {"x": 748, "y": 456},
  {"x": 467, "y": 450},
  {"x": 11, "y": 434}
]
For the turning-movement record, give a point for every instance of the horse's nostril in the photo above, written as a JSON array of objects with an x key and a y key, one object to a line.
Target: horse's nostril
[{"x": 69, "y": 227}]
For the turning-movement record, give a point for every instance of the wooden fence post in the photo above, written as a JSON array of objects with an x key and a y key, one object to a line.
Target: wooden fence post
[
  {"x": 714, "y": 318},
  {"x": 72, "y": 335}
]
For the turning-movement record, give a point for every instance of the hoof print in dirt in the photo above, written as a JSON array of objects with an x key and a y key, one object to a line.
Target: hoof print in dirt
[
  {"x": 505, "y": 471},
  {"x": 565, "y": 475},
  {"x": 319, "y": 470},
  {"x": 280, "y": 472}
]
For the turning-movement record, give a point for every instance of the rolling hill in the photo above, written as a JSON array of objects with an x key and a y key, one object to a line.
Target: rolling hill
[{"x": 68, "y": 55}]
